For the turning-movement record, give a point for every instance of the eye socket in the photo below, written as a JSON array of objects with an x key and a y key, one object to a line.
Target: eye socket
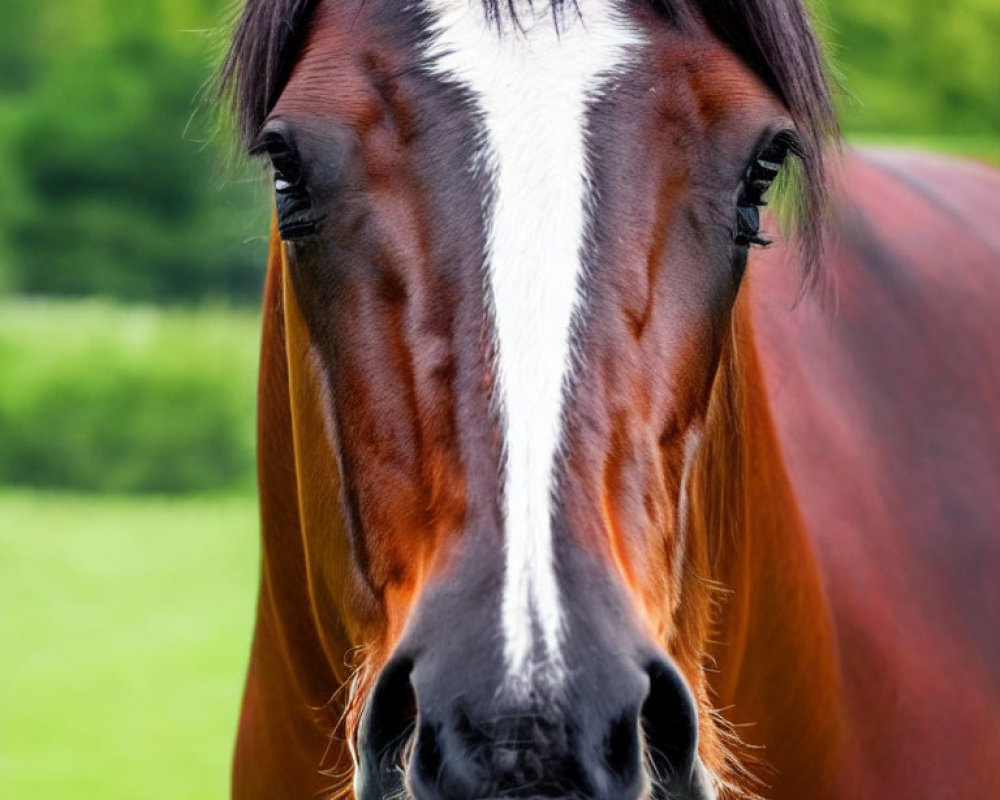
[
  {"x": 294, "y": 205},
  {"x": 757, "y": 179}
]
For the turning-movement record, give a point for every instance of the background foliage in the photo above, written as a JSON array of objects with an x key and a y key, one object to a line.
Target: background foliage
[
  {"x": 115, "y": 185},
  {"x": 916, "y": 66},
  {"x": 98, "y": 397}
]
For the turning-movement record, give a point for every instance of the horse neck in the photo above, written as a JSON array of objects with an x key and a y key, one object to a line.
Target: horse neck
[
  {"x": 297, "y": 670},
  {"x": 777, "y": 672}
]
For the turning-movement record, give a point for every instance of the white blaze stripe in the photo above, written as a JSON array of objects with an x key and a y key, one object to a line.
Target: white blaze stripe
[{"x": 532, "y": 87}]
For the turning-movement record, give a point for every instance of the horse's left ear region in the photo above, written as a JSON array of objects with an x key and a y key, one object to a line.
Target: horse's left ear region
[{"x": 296, "y": 218}]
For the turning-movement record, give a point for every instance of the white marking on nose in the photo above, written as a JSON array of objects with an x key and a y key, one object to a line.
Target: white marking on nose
[
  {"x": 532, "y": 85},
  {"x": 692, "y": 443}
]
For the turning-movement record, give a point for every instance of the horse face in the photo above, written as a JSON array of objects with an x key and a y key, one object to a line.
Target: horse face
[{"x": 517, "y": 245}]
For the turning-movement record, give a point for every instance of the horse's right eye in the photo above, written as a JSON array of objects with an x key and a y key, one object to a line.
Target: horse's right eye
[{"x": 294, "y": 205}]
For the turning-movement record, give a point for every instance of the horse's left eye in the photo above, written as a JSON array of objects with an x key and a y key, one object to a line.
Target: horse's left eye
[{"x": 756, "y": 181}]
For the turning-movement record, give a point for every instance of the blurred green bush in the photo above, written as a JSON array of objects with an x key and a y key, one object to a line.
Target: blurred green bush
[
  {"x": 97, "y": 397},
  {"x": 915, "y": 66}
]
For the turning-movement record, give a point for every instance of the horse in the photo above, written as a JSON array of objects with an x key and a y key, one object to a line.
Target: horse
[{"x": 572, "y": 486}]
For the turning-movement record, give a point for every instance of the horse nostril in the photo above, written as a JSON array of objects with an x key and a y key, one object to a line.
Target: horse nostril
[
  {"x": 621, "y": 750},
  {"x": 386, "y": 728},
  {"x": 428, "y": 758},
  {"x": 670, "y": 725}
]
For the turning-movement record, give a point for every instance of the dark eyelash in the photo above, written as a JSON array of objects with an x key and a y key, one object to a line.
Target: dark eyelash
[
  {"x": 757, "y": 179},
  {"x": 294, "y": 205}
]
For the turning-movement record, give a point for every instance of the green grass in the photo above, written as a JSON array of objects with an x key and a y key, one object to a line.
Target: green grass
[
  {"x": 979, "y": 148},
  {"x": 124, "y": 633}
]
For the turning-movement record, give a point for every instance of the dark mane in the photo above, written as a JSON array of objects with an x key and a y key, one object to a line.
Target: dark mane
[
  {"x": 773, "y": 37},
  {"x": 260, "y": 58}
]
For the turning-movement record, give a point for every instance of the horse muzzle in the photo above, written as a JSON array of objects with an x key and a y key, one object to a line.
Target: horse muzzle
[{"x": 617, "y": 732}]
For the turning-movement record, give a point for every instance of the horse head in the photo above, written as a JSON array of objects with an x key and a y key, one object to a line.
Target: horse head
[{"x": 513, "y": 237}]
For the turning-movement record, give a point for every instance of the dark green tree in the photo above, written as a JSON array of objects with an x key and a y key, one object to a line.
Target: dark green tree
[{"x": 120, "y": 185}]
